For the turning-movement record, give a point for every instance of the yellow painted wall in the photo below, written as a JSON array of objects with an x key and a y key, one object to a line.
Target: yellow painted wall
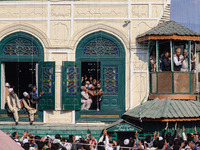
[{"x": 60, "y": 25}]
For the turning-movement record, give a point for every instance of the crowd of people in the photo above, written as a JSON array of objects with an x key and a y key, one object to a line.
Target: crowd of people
[
  {"x": 28, "y": 103},
  {"x": 166, "y": 141},
  {"x": 180, "y": 61},
  {"x": 91, "y": 93}
]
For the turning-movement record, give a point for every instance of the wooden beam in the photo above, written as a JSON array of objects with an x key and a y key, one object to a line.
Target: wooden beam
[
  {"x": 166, "y": 119},
  {"x": 20, "y": 115},
  {"x": 99, "y": 116},
  {"x": 167, "y": 37},
  {"x": 173, "y": 96}
]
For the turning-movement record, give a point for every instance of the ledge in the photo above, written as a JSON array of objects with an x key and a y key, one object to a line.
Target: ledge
[{"x": 173, "y": 96}]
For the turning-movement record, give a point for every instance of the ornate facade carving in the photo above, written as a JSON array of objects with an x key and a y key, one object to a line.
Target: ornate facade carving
[
  {"x": 156, "y": 10},
  {"x": 60, "y": 11},
  {"x": 23, "y": 11},
  {"x": 59, "y": 32},
  {"x": 101, "y": 11},
  {"x": 140, "y": 11}
]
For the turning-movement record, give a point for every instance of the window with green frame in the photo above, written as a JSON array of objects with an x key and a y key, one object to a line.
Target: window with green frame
[{"x": 172, "y": 66}]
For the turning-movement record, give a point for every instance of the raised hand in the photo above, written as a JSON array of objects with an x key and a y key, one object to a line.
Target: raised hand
[
  {"x": 183, "y": 129},
  {"x": 136, "y": 135},
  {"x": 158, "y": 135},
  {"x": 154, "y": 135},
  {"x": 175, "y": 126},
  {"x": 195, "y": 129},
  {"x": 166, "y": 126}
]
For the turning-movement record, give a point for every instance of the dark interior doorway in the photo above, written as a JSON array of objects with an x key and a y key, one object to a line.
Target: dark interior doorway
[
  {"x": 91, "y": 69},
  {"x": 19, "y": 75},
  {"x": 125, "y": 135}
]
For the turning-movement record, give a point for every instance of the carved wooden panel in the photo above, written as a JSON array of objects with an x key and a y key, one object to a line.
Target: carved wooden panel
[
  {"x": 164, "y": 82},
  {"x": 181, "y": 82}
]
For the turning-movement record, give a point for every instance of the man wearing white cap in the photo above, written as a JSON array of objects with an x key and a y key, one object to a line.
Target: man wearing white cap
[
  {"x": 13, "y": 104},
  {"x": 85, "y": 99},
  {"x": 27, "y": 104}
]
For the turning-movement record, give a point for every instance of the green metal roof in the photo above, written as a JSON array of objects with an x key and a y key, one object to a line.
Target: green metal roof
[
  {"x": 170, "y": 28},
  {"x": 123, "y": 126},
  {"x": 166, "y": 108}
]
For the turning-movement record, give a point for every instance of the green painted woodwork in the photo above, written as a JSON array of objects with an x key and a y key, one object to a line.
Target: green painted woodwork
[
  {"x": 17, "y": 41},
  {"x": 189, "y": 55},
  {"x": 46, "y": 84},
  {"x": 71, "y": 86},
  {"x": 111, "y": 74},
  {"x": 171, "y": 51},
  {"x": 110, "y": 52},
  {"x": 169, "y": 28},
  {"x": 102, "y": 36},
  {"x": 172, "y": 68},
  {"x": 0, "y": 82},
  {"x": 4, "y": 118},
  {"x": 173, "y": 83},
  {"x": 166, "y": 109},
  {"x": 24, "y": 37},
  {"x": 149, "y": 64},
  {"x": 64, "y": 131},
  {"x": 123, "y": 127}
]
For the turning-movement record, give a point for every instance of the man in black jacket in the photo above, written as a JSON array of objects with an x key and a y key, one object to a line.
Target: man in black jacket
[{"x": 166, "y": 62}]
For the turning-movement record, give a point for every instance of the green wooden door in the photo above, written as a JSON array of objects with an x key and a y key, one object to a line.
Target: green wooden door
[
  {"x": 112, "y": 83},
  {"x": 1, "y": 83},
  {"x": 71, "y": 97},
  {"x": 46, "y": 84}
]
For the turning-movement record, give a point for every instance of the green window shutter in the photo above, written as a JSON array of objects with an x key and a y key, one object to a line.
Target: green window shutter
[
  {"x": 46, "y": 84},
  {"x": 111, "y": 84},
  {"x": 71, "y": 97},
  {"x": 1, "y": 84}
]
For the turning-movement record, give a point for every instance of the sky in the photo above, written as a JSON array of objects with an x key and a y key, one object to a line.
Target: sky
[{"x": 187, "y": 13}]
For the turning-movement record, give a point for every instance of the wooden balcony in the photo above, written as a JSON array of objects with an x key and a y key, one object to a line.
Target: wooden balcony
[{"x": 176, "y": 85}]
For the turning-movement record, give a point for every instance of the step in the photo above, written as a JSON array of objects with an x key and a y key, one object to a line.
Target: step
[
  {"x": 23, "y": 116},
  {"x": 43, "y": 130}
]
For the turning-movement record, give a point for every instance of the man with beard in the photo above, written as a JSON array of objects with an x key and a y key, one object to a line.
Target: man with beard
[
  {"x": 27, "y": 104},
  {"x": 13, "y": 104},
  {"x": 178, "y": 60}
]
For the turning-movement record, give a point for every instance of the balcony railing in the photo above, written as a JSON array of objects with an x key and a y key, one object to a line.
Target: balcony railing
[{"x": 172, "y": 82}]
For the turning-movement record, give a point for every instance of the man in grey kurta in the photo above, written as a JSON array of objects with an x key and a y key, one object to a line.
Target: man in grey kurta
[{"x": 13, "y": 104}]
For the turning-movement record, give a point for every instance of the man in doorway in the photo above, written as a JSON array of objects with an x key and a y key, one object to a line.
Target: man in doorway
[
  {"x": 166, "y": 62},
  {"x": 85, "y": 100},
  {"x": 13, "y": 104},
  {"x": 184, "y": 66},
  {"x": 27, "y": 104},
  {"x": 34, "y": 97},
  {"x": 178, "y": 60}
]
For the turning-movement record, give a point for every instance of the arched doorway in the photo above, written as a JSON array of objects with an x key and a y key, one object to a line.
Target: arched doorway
[
  {"x": 22, "y": 63},
  {"x": 102, "y": 56}
]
